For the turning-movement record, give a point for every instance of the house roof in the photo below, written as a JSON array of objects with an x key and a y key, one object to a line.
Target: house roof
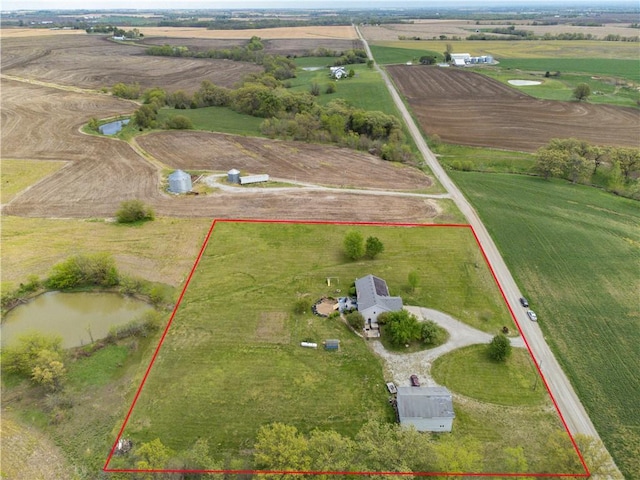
[
  {"x": 425, "y": 402},
  {"x": 373, "y": 291}
]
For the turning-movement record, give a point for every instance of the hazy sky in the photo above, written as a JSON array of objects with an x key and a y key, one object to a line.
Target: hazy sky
[{"x": 213, "y": 4}]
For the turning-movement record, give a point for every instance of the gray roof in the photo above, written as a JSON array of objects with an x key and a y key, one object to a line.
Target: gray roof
[
  {"x": 372, "y": 290},
  {"x": 424, "y": 402}
]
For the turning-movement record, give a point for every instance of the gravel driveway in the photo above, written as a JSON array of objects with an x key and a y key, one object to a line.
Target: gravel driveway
[{"x": 401, "y": 366}]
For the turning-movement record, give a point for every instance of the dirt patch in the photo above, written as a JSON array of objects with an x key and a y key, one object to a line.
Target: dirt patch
[
  {"x": 325, "y": 307},
  {"x": 466, "y": 108},
  {"x": 272, "y": 328}
]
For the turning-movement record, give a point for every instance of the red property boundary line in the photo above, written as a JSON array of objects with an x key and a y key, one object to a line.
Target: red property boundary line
[{"x": 106, "y": 468}]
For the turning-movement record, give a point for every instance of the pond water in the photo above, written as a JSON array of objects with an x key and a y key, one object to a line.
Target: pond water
[
  {"x": 76, "y": 317},
  {"x": 112, "y": 128}
]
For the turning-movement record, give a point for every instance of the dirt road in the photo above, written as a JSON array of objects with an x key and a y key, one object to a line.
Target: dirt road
[{"x": 560, "y": 388}]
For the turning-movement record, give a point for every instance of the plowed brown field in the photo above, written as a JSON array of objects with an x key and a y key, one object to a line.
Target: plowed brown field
[
  {"x": 317, "y": 164},
  {"x": 467, "y": 108},
  {"x": 95, "y": 62},
  {"x": 42, "y": 122}
]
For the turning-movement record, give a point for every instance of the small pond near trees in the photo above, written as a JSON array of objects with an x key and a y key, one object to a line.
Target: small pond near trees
[
  {"x": 79, "y": 318},
  {"x": 112, "y": 128}
]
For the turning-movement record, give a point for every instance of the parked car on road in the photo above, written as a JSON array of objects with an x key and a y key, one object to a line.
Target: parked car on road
[
  {"x": 532, "y": 315},
  {"x": 414, "y": 381},
  {"x": 524, "y": 302}
]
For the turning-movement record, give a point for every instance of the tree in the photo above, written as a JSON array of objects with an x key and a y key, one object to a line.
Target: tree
[
  {"x": 153, "y": 455},
  {"x": 500, "y": 348},
  {"x": 414, "y": 280},
  {"x": 280, "y": 447},
  {"x": 131, "y": 211},
  {"x": 550, "y": 162},
  {"x": 145, "y": 116},
  {"x": 93, "y": 124},
  {"x": 401, "y": 327},
  {"x": 330, "y": 451},
  {"x": 373, "y": 247},
  {"x": 356, "y": 320},
  {"x": 354, "y": 245},
  {"x": 314, "y": 89},
  {"x": 22, "y": 356},
  {"x": 97, "y": 269},
  {"x": 596, "y": 457},
  {"x": 581, "y": 92},
  {"x": 179, "y": 122},
  {"x": 429, "y": 332},
  {"x": 49, "y": 370},
  {"x": 427, "y": 60}
]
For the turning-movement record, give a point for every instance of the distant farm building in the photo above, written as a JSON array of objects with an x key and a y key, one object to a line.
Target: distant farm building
[
  {"x": 180, "y": 182},
  {"x": 428, "y": 409},
  {"x": 373, "y": 299},
  {"x": 463, "y": 59},
  {"x": 338, "y": 72}
]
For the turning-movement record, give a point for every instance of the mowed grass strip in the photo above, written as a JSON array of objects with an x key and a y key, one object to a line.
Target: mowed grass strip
[
  {"x": 216, "y": 119},
  {"x": 471, "y": 372},
  {"x": 575, "y": 252},
  {"x": 219, "y": 376}
]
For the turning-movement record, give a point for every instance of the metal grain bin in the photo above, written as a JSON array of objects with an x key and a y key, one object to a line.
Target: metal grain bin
[
  {"x": 233, "y": 176},
  {"x": 180, "y": 182}
]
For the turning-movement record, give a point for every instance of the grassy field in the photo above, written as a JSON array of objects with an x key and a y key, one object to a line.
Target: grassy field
[
  {"x": 216, "y": 119},
  {"x": 365, "y": 90},
  {"x": 575, "y": 252},
  {"x": 161, "y": 251},
  {"x": 471, "y": 372},
  {"x": 608, "y": 67},
  {"x": 233, "y": 351},
  {"x": 20, "y": 174},
  {"x": 461, "y": 157}
]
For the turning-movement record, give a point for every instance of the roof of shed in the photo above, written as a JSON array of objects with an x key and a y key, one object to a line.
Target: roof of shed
[{"x": 425, "y": 402}]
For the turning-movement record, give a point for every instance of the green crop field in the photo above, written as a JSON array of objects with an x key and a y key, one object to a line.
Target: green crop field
[
  {"x": 609, "y": 67},
  {"x": 575, "y": 252},
  {"x": 232, "y": 353},
  {"x": 386, "y": 55}
]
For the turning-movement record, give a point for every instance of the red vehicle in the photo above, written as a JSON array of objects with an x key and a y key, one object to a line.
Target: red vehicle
[{"x": 414, "y": 381}]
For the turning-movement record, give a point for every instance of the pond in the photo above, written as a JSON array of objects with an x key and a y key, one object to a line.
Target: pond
[
  {"x": 76, "y": 317},
  {"x": 112, "y": 128}
]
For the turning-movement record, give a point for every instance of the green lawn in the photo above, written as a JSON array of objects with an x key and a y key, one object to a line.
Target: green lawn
[
  {"x": 471, "y": 372},
  {"x": 216, "y": 119},
  {"x": 233, "y": 355},
  {"x": 575, "y": 252},
  {"x": 365, "y": 90}
]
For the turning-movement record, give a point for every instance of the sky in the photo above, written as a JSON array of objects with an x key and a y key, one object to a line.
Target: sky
[{"x": 6, "y": 5}]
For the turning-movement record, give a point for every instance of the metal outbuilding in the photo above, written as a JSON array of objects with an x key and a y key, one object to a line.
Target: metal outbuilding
[
  {"x": 180, "y": 182},
  {"x": 428, "y": 409},
  {"x": 233, "y": 176}
]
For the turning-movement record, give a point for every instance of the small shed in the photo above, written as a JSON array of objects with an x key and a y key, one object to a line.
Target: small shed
[
  {"x": 180, "y": 182},
  {"x": 233, "y": 176},
  {"x": 253, "y": 179},
  {"x": 428, "y": 409},
  {"x": 331, "y": 344}
]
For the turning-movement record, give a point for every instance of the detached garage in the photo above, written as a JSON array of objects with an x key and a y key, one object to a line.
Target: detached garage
[{"x": 428, "y": 409}]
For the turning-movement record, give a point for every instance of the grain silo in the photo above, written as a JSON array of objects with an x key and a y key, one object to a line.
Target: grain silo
[
  {"x": 179, "y": 182},
  {"x": 233, "y": 176}
]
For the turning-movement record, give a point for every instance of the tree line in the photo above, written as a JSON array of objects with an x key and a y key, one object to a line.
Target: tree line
[{"x": 617, "y": 169}]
